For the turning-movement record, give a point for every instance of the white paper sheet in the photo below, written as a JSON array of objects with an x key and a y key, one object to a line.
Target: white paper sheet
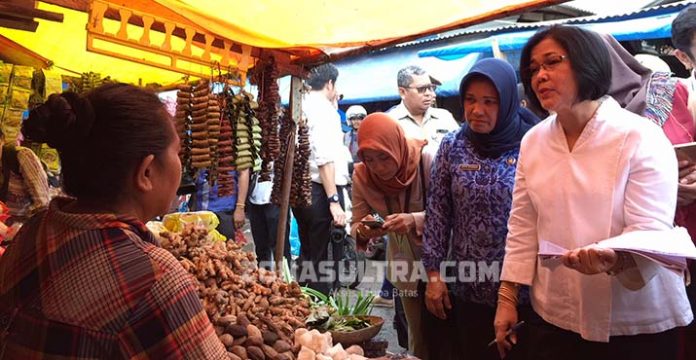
[{"x": 669, "y": 248}]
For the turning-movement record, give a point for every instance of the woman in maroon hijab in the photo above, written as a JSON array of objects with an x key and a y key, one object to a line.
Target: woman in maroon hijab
[{"x": 391, "y": 182}]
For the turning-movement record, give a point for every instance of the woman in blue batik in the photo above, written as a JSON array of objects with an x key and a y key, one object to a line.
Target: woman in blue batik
[{"x": 469, "y": 204}]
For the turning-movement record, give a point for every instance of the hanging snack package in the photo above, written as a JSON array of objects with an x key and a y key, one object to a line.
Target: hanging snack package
[
  {"x": 22, "y": 76},
  {"x": 20, "y": 98},
  {"x": 11, "y": 123},
  {"x": 54, "y": 82},
  {"x": 3, "y": 93},
  {"x": 49, "y": 157},
  {"x": 5, "y": 73}
]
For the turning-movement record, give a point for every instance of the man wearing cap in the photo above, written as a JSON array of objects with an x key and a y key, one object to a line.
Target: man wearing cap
[
  {"x": 416, "y": 113},
  {"x": 354, "y": 115}
]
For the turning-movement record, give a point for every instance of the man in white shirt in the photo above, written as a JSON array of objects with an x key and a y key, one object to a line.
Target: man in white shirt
[
  {"x": 329, "y": 168},
  {"x": 416, "y": 113}
]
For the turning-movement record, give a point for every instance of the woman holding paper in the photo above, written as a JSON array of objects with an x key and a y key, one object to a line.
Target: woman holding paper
[{"x": 589, "y": 172}]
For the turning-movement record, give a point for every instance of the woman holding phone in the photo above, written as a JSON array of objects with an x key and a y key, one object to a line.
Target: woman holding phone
[{"x": 391, "y": 182}]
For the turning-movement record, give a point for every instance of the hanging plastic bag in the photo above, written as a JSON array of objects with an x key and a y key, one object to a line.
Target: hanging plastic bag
[{"x": 175, "y": 222}]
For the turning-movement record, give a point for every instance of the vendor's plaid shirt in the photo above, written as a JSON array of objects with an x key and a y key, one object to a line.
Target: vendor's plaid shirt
[{"x": 98, "y": 286}]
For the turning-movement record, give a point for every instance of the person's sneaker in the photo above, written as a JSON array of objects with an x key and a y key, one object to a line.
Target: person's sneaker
[{"x": 382, "y": 302}]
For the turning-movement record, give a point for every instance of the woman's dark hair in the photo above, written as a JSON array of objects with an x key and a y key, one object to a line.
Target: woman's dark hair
[
  {"x": 587, "y": 55},
  {"x": 101, "y": 136}
]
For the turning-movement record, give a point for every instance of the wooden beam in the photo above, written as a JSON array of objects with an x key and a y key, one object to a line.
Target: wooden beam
[
  {"x": 296, "y": 112},
  {"x": 79, "y": 5},
  {"x": 29, "y": 13},
  {"x": 18, "y": 24}
]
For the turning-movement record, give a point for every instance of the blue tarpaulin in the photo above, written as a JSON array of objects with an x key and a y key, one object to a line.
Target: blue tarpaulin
[
  {"x": 373, "y": 78},
  {"x": 642, "y": 28}
]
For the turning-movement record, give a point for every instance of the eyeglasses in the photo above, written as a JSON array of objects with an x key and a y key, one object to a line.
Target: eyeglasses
[
  {"x": 423, "y": 89},
  {"x": 357, "y": 117},
  {"x": 549, "y": 63}
]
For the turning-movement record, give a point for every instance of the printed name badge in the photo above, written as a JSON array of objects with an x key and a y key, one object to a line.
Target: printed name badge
[{"x": 470, "y": 167}]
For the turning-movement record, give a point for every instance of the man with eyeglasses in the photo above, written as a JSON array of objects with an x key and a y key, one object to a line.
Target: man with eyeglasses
[{"x": 416, "y": 113}]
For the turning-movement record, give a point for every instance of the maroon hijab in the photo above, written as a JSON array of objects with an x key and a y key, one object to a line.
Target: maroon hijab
[{"x": 380, "y": 132}]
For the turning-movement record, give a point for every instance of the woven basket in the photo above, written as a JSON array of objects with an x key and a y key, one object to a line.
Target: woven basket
[{"x": 359, "y": 336}]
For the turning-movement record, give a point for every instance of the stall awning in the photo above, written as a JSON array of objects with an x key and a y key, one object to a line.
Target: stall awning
[
  {"x": 304, "y": 29},
  {"x": 329, "y": 25},
  {"x": 638, "y": 28}
]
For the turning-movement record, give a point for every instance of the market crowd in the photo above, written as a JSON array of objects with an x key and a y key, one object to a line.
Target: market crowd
[{"x": 583, "y": 154}]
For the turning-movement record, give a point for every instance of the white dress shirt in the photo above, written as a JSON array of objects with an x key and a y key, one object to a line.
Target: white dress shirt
[
  {"x": 621, "y": 176},
  {"x": 325, "y": 137},
  {"x": 436, "y": 124}
]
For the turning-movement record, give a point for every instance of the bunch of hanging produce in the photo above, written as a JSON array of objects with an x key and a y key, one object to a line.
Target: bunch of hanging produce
[
  {"x": 254, "y": 312},
  {"x": 268, "y": 115},
  {"x": 225, "y": 149},
  {"x": 195, "y": 108},
  {"x": 214, "y": 130},
  {"x": 301, "y": 185},
  {"x": 247, "y": 139}
]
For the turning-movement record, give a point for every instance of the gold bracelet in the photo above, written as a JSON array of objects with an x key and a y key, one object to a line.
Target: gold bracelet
[{"x": 241, "y": 205}]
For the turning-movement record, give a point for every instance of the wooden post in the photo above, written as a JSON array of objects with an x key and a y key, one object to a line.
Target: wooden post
[{"x": 296, "y": 112}]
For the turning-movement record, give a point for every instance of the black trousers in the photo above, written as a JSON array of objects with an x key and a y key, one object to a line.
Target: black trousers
[
  {"x": 314, "y": 224},
  {"x": 468, "y": 330},
  {"x": 549, "y": 342},
  {"x": 264, "y": 227}
]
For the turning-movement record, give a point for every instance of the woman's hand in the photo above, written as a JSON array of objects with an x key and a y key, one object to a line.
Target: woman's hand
[
  {"x": 686, "y": 194},
  {"x": 505, "y": 319},
  {"x": 400, "y": 223},
  {"x": 437, "y": 298},
  {"x": 590, "y": 259},
  {"x": 366, "y": 232}
]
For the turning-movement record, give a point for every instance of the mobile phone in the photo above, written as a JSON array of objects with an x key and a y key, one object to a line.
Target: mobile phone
[{"x": 373, "y": 224}]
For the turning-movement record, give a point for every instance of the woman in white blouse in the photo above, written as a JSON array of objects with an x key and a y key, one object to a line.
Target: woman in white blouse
[{"x": 588, "y": 172}]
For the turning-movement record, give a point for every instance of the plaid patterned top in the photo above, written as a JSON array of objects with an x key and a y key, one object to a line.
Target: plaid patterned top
[{"x": 87, "y": 286}]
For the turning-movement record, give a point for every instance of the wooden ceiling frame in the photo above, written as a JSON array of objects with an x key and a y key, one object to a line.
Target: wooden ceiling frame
[{"x": 238, "y": 61}]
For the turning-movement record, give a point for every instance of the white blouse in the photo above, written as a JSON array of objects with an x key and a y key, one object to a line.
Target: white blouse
[{"x": 621, "y": 176}]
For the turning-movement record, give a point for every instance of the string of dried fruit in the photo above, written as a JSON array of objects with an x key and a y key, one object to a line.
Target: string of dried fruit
[
  {"x": 301, "y": 191},
  {"x": 287, "y": 129},
  {"x": 183, "y": 122},
  {"x": 268, "y": 115},
  {"x": 201, "y": 106},
  {"x": 214, "y": 123},
  {"x": 254, "y": 313},
  {"x": 246, "y": 152},
  {"x": 225, "y": 181}
]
